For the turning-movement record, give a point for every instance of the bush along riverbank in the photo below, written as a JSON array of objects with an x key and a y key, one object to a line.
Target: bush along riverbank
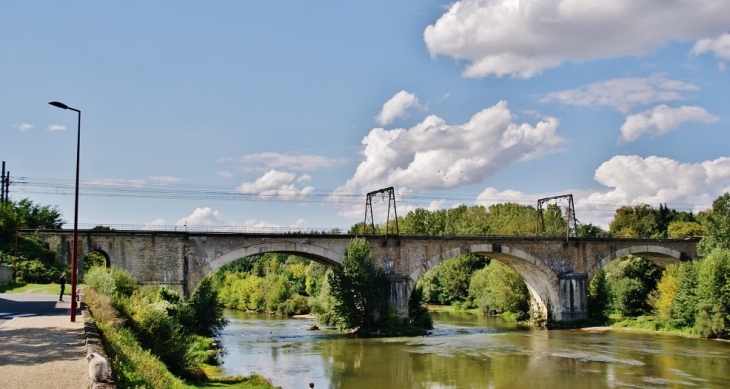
[{"x": 156, "y": 339}]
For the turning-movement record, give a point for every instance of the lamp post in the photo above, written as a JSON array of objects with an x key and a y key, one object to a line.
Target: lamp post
[{"x": 74, "y": 262}]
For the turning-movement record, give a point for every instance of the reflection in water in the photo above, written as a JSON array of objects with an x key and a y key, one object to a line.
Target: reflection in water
[{"x": 467, "y": 351}]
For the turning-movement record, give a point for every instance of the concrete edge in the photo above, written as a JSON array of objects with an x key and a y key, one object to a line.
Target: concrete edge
[
  {"x": 7, "y": 323},
  {"x": 93, "y": 345}
]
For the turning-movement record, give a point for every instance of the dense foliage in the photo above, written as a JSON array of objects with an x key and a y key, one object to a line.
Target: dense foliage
[
  {"x": 172, "y": 329},
  {"x": 35, "y": 263},
  {"x": 690, "y": 297}
]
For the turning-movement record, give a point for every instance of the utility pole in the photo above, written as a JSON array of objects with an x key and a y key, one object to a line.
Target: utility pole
[
  {"x": 369, "y": 213},
  {"x": 571, "y": 224},
  {"x": 2, "y": 186}
]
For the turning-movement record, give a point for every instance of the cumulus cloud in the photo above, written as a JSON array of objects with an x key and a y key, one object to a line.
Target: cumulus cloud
[
  {"x": 56, "y": 127},
  {"x": 434, "y": 154},
  {"x": 662, "y": 119},
  {"x": 523, "y": 38},
  {"x": 491, "y": 196},
  {"x": 203, "y": 217},
  {"x": 396, "y": 107},
  {"x": 623, "y": 94},
  {"x": 719, "y": 47},
  {"x": 24, "y": 127},
  {"x": 154, "y": 225},
  {"x": 656, "y": 180},
  {"x": 275, "y": 184},
  {"x": 269, "y": 160}
]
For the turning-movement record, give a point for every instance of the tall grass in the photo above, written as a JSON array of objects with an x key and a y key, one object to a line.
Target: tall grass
[{"x": 133, "y": 367}]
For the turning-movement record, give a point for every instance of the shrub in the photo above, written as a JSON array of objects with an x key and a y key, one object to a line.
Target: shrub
[{"x": 295, "y": 305}]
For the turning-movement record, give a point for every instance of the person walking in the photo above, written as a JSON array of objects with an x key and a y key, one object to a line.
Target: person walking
[{"x": 62, "y": 281}]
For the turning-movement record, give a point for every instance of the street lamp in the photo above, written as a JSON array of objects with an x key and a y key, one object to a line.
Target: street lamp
[{"x": 74, "y": 262}]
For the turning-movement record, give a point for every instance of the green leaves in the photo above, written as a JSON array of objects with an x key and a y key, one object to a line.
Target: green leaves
[{"x": 357, "y": 287}]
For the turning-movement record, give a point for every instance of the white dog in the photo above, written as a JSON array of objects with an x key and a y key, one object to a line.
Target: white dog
[{"x": 97, "y": 367}]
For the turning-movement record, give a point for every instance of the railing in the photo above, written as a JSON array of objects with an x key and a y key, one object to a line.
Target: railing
[{"x": 211, "y": 229}]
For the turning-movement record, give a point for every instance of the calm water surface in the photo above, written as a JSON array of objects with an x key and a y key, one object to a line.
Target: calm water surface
[{"x": 468, "y": 351}]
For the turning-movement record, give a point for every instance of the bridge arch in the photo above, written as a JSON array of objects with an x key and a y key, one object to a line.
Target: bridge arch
[
  {"x": 306, "y": 250},
  {"x": 659, "y": 255},
  {"x": 541, "y": 281}
]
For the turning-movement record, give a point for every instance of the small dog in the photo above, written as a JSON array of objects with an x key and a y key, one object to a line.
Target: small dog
[{"x": 97, "y": 367}]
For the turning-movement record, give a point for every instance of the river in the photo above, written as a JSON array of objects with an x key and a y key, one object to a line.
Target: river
[{"x": 469, "y": 351}]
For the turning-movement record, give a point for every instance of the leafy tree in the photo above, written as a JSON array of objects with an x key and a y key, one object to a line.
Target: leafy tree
[
  {"x": 684, "y": 304},
  {"x": 631, "y": 279},
  {"x": 454, "y": 276},
  {"x": 599, "y": 297},
  {"x": 512, "y": 219},
  {"x": 713, "y": 295},
  {"x": 684, "y": 229},
  {"x": 418, "y": 315},
  {"x": 717, "y": 226},
  {"x": 357, "y": 287},
  {"x": 38, "y": 217},
  {"x": 633, "y": 222},
  {"x": 497, "y": 289},
  {"x": 207, "y": 309},
  {"x": 591, "y": 231},
  {"x": 663, "y": 296},
  {"x": 429, "y": 285}
]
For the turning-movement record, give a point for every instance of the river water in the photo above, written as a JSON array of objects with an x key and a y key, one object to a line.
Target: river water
[{"x": 469, "y": 351}]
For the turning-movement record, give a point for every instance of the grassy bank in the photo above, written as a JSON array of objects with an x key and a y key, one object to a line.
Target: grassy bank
[{"x": 134, "y": 366}]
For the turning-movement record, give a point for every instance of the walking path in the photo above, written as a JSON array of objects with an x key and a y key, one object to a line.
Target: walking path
[{"x": 40, "y": 346}]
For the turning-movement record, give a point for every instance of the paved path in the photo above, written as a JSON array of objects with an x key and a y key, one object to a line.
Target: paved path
[{"x": 40, "y": 346}]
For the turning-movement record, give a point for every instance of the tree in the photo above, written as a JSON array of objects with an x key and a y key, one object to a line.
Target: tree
[
  {"x": 357, "y": 287},
  {"x": 631, "y": 279},
  {"x": 633, "y": 222},
  {"x": 207, "y": 310},
  {"x": 713, "y": 295},
  {"x": 454, "y": 276},
  {"x": 591, "y": 231},
  {"x": 684, "y": 304},
  {"x": 38, "y": 217},
  {"x": 717, "y": 226},
  {"x": 599, "y": 297},
  {"x": 497, "y": 289},
  {"x": 684, "y": 229}
]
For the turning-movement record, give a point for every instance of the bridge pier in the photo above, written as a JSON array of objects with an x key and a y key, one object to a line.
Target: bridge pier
[
  {"x": 398, "y": 293},
  {"x": 573, "y": 296}
]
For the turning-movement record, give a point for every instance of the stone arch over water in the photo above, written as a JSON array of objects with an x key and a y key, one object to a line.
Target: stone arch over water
[
  {"x": 659, "y": 255},
  {"x": 306, "y": 250},
  {"x": 541, "y": 281}
]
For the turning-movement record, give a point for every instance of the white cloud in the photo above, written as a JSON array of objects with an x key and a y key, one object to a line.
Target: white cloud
[
  {"x": 269, "y": 160},
  {"x": 203, "y": 217},
  {"x": 491, "y": 196},
  {"x": 719, "y": 47},
  {"x": 522, "y": 38},
  {"x": 623, "y": 94},
  {"x": 656, "y": 180},
  {"x": 165, "y": 180},
  {"x": 154, "y": 225},
  {"x": 396, "y": 107},
  {"x": 56, "y": 127},
  {"x": 275, "y": 184},
  {"x": 662, "y": 119},
  {"x": 433, "y": 154},
  {"x": 116, "y": 182},
  {"x": 24, "y": 127}
]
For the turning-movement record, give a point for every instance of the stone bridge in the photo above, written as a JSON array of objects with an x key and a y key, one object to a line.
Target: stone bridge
[{"x": 557, "y": 271}]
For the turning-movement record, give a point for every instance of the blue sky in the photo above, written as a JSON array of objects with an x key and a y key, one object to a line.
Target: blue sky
[{"x": 284, "y": 114}]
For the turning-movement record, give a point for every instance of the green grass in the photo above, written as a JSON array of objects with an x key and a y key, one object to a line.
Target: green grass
[{"x": 21, "y": 287}]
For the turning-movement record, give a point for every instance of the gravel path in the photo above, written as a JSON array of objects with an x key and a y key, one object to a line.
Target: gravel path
[{"x": 43, "y": 352}]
